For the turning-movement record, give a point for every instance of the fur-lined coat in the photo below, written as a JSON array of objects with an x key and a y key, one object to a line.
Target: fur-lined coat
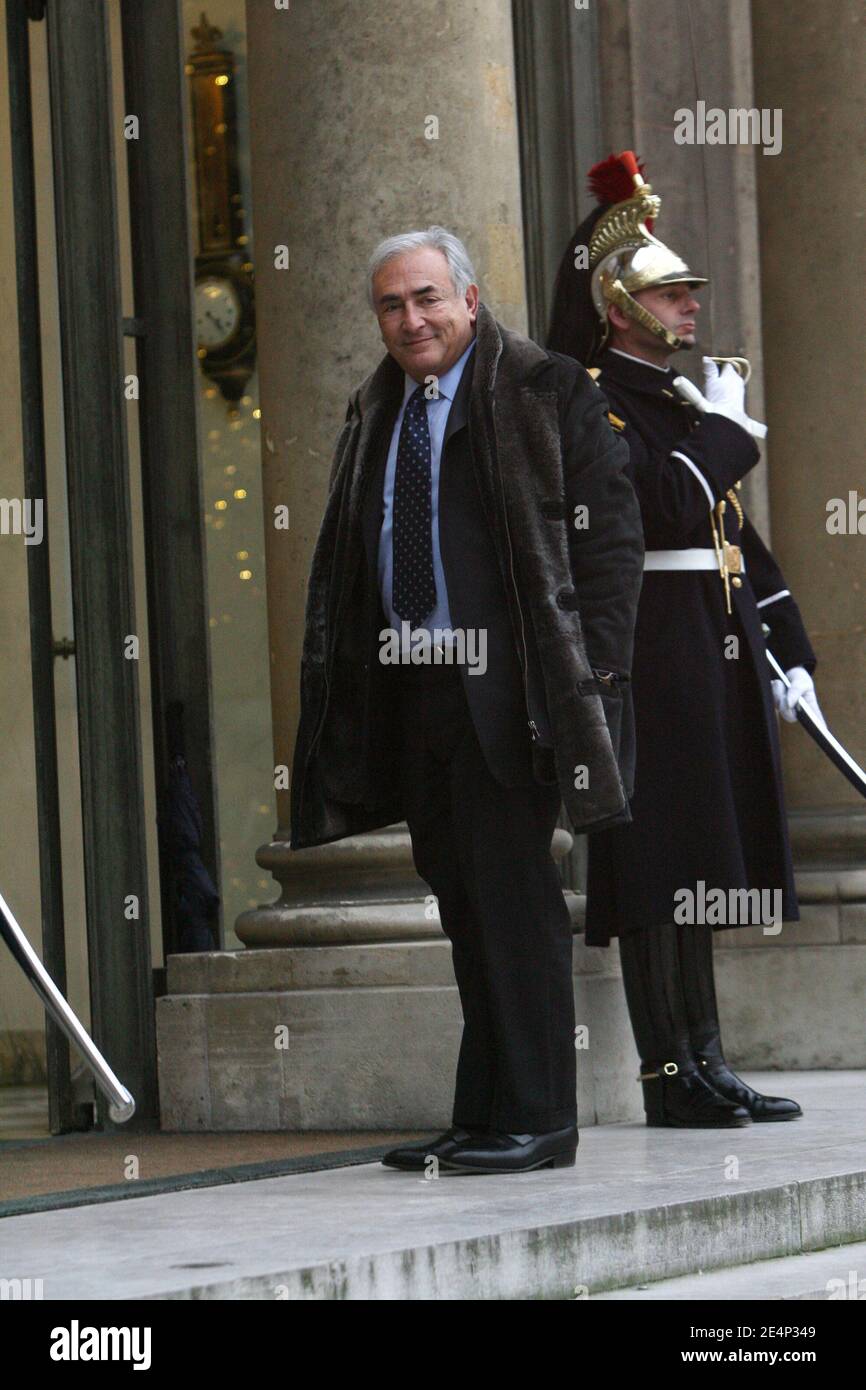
[{"x": 566, "y": 528}]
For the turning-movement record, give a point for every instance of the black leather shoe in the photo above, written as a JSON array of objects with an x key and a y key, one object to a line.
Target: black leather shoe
[
  {"x": 681, "y": 1098},
  {"x": 732, "y": 1087},
  {"x": 413, "y": 1157},
  {"x": 514, "y": 1153}
]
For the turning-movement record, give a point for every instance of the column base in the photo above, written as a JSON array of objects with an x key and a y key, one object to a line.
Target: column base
[
  {"x": 353, "y": 1037},
  {"x": 797, "y": 1000},
  {"x": 360, "y": 889}
]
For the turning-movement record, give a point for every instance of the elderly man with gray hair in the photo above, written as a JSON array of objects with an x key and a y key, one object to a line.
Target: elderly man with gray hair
[{"x": 477, "y": 492}]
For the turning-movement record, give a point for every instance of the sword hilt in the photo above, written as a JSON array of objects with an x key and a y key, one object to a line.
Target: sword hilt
[{"x": 741, "y": 365}]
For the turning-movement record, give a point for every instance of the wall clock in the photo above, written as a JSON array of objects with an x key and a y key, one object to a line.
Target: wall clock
[{"x": 224, "y": 277}]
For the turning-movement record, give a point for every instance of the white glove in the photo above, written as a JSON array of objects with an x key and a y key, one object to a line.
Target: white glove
[
  {"x": 724, "y": 394},
  {"x": 724, "y": 388},
  {"x": 785, "y": 697}
]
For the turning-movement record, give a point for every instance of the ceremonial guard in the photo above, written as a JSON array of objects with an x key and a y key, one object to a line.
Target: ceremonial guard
[{"x": 708, "y": 815}]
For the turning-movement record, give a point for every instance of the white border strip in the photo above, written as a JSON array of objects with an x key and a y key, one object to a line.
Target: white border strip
[{"x": 783, "y": 593}]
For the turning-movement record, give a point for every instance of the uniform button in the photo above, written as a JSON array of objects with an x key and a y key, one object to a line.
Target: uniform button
[
  {"x": 737, "y": 582},
  {"x": 564, "y": 598}
]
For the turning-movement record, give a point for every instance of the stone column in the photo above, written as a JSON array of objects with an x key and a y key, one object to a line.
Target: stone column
[
  {"x": 655, "y": 60},
  {"x": 781, "y": 237},
  {"x": 813, "y": 206},
  {"x": 365, "y": 121},
  {"x": 809, "y": 62}
]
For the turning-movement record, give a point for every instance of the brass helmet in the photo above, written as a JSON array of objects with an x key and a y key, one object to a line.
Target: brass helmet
[{"x": 624, "y": 257}]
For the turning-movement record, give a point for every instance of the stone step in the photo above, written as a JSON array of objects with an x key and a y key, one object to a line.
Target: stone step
[
  {"x": 834, "y": 1274},
  {"x": 369, "y": 1037},
  {"x": 640, "y": 1205}
]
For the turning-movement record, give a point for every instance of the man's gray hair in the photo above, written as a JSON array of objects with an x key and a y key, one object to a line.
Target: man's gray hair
[{"x": 452, "y": 248}]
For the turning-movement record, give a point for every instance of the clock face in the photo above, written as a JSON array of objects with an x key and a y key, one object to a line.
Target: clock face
[{"x": 217, "y": 311}]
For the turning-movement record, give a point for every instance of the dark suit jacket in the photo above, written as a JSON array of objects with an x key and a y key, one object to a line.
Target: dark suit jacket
[{"x": 476, "y": 599}]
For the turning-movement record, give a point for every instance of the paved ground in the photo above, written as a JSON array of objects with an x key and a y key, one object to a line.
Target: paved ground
[{"x": 640, "y": 1204}]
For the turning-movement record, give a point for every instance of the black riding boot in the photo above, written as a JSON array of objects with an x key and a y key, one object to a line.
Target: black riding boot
[
  {"x": 674, "y": 1089},
  {"x": 699, "y": 989}
]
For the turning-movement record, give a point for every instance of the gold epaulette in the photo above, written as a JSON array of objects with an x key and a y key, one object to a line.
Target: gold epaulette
[{"x": 618, "y": 424}]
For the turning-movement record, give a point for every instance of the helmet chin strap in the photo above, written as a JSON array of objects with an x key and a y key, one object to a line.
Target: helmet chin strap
[{"x": 616, "y": 293}]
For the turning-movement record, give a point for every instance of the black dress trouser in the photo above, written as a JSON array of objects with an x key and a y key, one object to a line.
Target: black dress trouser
[{"x": 484, "y": 849}]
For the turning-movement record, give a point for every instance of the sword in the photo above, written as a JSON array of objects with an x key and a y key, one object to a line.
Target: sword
[
  {"x": 122, "y": 1105},
  {"x": 822, "y": 736}
]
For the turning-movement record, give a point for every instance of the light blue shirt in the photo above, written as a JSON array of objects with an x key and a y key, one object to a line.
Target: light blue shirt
[{"x": 438, "y": 410}]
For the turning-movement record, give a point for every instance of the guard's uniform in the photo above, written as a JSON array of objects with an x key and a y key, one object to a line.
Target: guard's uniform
[
  {"x": 708, "y": 801},
  {"x": 707, "y": 805}
]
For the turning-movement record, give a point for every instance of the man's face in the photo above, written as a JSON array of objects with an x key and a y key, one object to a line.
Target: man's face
[
  {"x": 425, "y": 326},
  {"x": 673, "y": 305}
]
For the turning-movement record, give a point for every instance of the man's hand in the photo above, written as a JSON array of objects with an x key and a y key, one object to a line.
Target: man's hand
[
  {"x": 724, "y": 388},
  {"x": 724, "y": 394},
  {"x": 802, "y": 686}
]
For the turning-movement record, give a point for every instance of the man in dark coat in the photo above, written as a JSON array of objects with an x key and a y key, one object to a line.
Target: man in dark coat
[
  {"x": 477, "y": 488},
  {"x": 707, "y": 844}
]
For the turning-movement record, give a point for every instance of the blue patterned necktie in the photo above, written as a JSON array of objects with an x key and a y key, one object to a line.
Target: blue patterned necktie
[{"x": 413, "y": 585}]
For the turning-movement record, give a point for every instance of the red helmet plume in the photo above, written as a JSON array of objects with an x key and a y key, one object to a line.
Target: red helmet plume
[{"x": 612, "y": 179}]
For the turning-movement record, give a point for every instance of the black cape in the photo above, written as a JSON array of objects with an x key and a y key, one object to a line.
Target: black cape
[{"x": 708, "y": 802}]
